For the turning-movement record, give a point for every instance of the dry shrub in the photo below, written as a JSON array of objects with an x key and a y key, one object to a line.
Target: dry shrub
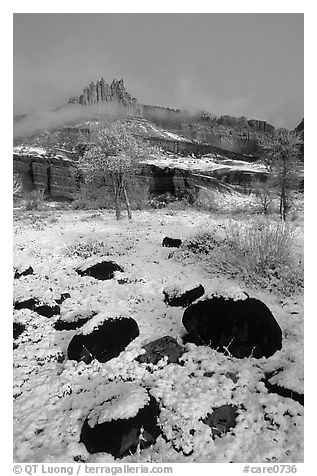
[
  {"x": 260, "y": 245},
  {"x": 34, "y": 200},
  {"x": 86, "y": 249},
  {"x": 260, "y": 251},
  {"x": 96, "y": 197}
]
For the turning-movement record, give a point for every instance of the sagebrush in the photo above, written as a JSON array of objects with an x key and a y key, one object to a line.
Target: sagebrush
[
  {"x": 86, "y": 249},
  {"x": 260, "y": 251}
]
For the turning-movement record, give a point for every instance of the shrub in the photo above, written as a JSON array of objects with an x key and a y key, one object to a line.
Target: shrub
[
  {"x": 86, "y": 249},
  {"x": 265, "y": 194},
  {"x": 93, "y": 197},
  {"x": 34, "y": 200},
  {"x": 202, "y": 243},
  {"x": 261, "y": 245},
  {"x": 261, "y": 252},
  {"x": 264, "y": 251},
  {"x": 96, "y": 197}
]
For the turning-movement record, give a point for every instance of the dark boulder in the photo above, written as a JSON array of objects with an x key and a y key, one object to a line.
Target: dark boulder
[
  {"x": 222, "y": 419},
  {"x": 246, "y": 328},
  {"x": 171, "y": 242},
  {"x": 182, "y": 298},
  {"x": 105, "y": 342},
  {"x": 158, "y": 349},
  {"x": 33, "y": 304},
  {"x": 18, "y": 329},
  {"x": 282, "y": 391},
  {"x": 121, "y": 435},
  {"x": 47, "y": 311},
  {"x": 73, "y": 320},
  {"x": 63, "y": 297},
  {"x": 23, "y": 272},
  {"x": 102, "y": 271},
  {"x": 27, "y": 304}
]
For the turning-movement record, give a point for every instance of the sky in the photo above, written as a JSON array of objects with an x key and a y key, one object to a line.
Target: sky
[{"x": 242, "y": 64}]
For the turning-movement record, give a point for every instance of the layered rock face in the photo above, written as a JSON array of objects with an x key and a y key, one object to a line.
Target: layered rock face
[
  {"x": 50, "y": 174},
  {"x": 102, "y": 92},
  {"x": 235, "y": 134}
]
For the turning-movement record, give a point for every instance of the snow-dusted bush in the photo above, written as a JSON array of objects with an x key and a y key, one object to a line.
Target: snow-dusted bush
[
  {"x": 86, "y": 249},
  {"x": 202, "y": 243},
  {"x": 93, "y": 197},
  {"x": 261, "y": 251},
  {"x": 264, "y": 251}
]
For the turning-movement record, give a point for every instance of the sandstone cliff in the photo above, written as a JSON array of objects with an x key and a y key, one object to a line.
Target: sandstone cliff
[{"x": 235, "y": 134}]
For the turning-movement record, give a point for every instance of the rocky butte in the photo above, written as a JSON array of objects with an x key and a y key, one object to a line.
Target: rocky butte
[
  {"x": 235, "y": 134},
  {"x": 102, "y": 92},
  {"x": 230, "y": 141}
]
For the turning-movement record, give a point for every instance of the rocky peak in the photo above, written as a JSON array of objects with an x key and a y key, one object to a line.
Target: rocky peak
[{"x": 102, "y": 92}]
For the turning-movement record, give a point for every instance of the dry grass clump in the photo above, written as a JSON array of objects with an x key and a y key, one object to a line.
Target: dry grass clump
[
  {"x": 86, "y": 249},
  {"x": 260, "y": 251}
]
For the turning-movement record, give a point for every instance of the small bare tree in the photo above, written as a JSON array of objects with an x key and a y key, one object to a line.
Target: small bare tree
[
  {"x": 265, "y": 193},
  {"x": 113, "y": 155},
  {"x": 281, "y": 150}
]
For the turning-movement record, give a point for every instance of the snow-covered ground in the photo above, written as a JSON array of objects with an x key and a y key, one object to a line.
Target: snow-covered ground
[
  {"x": 52, "y": 396},
  {"x": 21, "y": 149},
  {"x": 206, "y": 163}
]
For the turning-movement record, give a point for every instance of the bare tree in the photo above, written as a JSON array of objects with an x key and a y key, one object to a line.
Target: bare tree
[
  {"x": 281, "y": 150},
  {"x": 265, "y": 193},
  {"x": 114, "y": 155}
]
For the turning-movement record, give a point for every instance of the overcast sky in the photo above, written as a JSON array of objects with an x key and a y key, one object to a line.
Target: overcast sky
[{"x": 239, "y": 64}]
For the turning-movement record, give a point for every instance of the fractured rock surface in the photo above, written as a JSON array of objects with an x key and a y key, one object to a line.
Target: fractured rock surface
[
  {"x": 245, "y": 328},
  {"x": 158, "y": 349}
]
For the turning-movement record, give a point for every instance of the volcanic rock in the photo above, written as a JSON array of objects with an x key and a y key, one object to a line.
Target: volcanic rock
[
  {"x": 244, "y": 328},
  {"x": 18, "y": 329},
  {"x": 102, "y": 270},
  {"x": 33, "y": 304},
  {"x": 23, "y": 271},
  {"x": 222, "y": 419},
  {"x": 63, "y": 297},
  {"x": 125, "y": 421},
  {"x": 174, "y": 296},
  {"x": 281, "y": 390},
  {"x": 73, "y": 320},
  {"x": 171, "y": 242},
  {"x": 47, "y": 311},
  {"x": 158, "y": 349},
  {"x": 26, "y": 304},
  {"x": 105, "y": 342}
]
